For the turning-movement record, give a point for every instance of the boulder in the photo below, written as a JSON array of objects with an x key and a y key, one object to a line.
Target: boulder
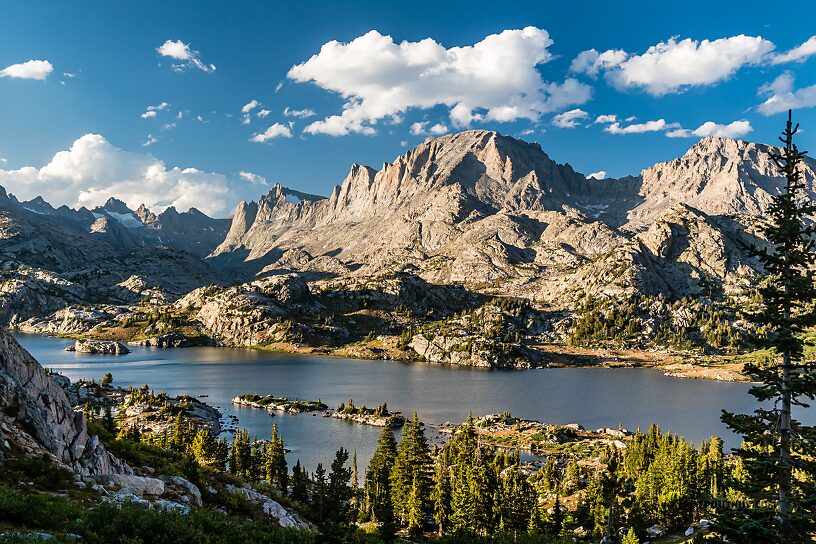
[
  {"x": 188, "y": 490},
  {"x": 136, "y": 485}
]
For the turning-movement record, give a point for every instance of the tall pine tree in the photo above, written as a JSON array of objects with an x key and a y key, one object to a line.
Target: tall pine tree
[
  {"x": 377, "y": 502},
  {"x": 778, "y": 451}
]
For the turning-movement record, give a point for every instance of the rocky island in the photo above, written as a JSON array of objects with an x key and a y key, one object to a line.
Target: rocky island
[
  {"x": 378, "y": 417},
  {"x": 279, "y": 404}
]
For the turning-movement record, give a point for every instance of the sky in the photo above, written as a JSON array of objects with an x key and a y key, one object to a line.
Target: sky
[{"x": 205, "y": 104}]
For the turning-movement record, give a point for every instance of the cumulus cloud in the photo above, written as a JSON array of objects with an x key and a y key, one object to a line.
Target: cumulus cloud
[
  {"x": 569, "y": 119},
  {"x": 799, "y": 53},
  {"x": 180, "y": 51},
  {"x": 495, "y": 79},
  {"x": 92, "y": 170},
  {"x": 591, "y": 62},
  {"x": 781, "y": 95},
  {"x": 673, "y": 66},
  {"x": 736, "y": 129},
  {"x": 605, "y": 119},
  {"x": 639, "y": 128},
  {"x": 425, "y": 127},
  {"x": 249, "y": 106},
  {"x": 30, "y": 69},
  {"x": 600, "y": 174},
  {"x": 303, "y": 114},
  {"x": 277, "y": 130},
  {"x": 152, "y": 111},
  {"x": 254, "y": 179},
  {"x": 263, "y": 113}
]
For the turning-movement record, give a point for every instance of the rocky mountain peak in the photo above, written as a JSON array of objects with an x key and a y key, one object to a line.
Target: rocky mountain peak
[{"x": 116, "y": 206}]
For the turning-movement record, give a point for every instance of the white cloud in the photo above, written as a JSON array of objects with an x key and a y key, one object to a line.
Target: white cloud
[
  {"x": 648, "y": 126},
  {"x": 263, "y": 113},
  {"x": 591, "y": 62},
  {"x": 168, "y": 126},
  {"x": 3, "y": 160},
  {"x": 673, "y": 66},
  {"x": 180, "y": 51},
  {"x": 69, "y": 75},
  {"x": 245, "y": 119},
  {"x": 249, "y": 106},
  {"x": 799, "y": 53},
  {"x": 604, "y": 119},
  {"x": 495, "y": 79},
  {"x": 152, "y": 111},
  {"x": 150, "y": 140},
  {"x": 303, "y": 114},
  {"x": 736, "y": 129},
  {"x": 425, "y": 127},
  {"x": 30, "y": 69},
  {"x": 782, "y": 96},
  {"x": 277, "y": 130},
  {"x": 600, "y": 174},
  {"x": 569, "y": 119},
  {"x": 254, "y": 179},
  {"x": 92, "y": 170}
]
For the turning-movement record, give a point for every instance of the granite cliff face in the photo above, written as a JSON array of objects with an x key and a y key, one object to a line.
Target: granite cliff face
[
  {"x": 37, "y": 418},
  {"x": 498, "y": 215}
]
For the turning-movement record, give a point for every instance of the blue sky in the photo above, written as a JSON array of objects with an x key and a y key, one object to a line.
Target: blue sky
[{"x": 107, "y": 68}]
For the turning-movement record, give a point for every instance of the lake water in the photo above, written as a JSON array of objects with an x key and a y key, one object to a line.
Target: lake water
[{"x": 593, "y": 397}]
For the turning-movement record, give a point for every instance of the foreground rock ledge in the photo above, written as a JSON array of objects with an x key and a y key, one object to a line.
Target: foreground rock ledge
[{"x": 36, "y": 415}]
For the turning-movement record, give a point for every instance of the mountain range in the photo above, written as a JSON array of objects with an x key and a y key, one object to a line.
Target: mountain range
[{"x": 489, "y": 212}]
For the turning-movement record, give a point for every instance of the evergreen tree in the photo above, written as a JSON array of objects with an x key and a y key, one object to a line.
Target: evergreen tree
[
  {"x": 377, "y": 503},
  {"x": 631, "y": 537},
  {"x": 411, "y": 467},
  {"x": 339, "y": 492},
  {"x": 203, "y": 448},
  {"x": 107, "y": 420},
  {"x": 441, "y": 492},
  {"x": 274, "y": 462},
  {"x": 300, "y": 490},
  {"x": 415, "y": 517},
  {"x": 777, "y": 450},
  {"x": 320, "y": 495}
]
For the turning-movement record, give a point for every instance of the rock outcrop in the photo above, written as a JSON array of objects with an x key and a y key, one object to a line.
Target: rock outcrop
[
  {"x": 99, "y": 347},
  {"x": 36, "y": 415},
  {"x": 251, "y": 314}
]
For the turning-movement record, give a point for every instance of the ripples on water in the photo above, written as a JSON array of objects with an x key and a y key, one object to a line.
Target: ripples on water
[{"x": 593, "y": 397}]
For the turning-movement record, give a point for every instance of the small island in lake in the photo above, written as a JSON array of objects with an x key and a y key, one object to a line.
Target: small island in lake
[
  {"x": 279, "y": 404},
  {"x": 379, "y": 416}
]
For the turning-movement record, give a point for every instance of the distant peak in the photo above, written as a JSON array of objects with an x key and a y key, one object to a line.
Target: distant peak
[{"x": 117, "y": 206}]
